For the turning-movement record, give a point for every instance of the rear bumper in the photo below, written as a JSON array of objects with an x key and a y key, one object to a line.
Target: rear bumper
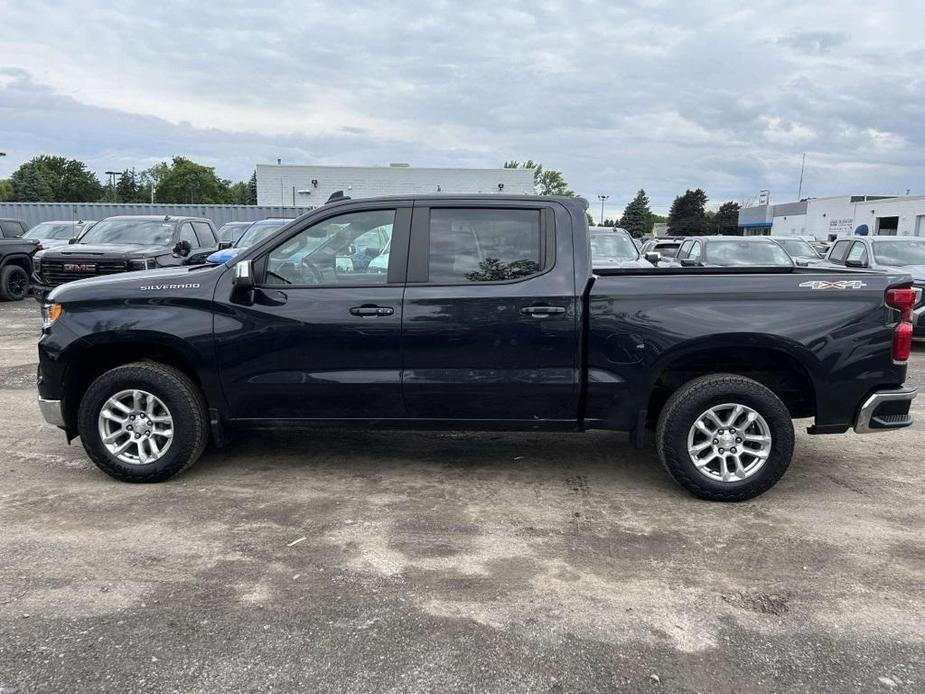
[
  {"x": 52, "y": 412},
  {"x": 885, "y": 410}
]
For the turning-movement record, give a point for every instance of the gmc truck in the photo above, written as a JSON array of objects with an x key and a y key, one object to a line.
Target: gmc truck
[
  {"x": 489, "y": 316},
  {"x": 15, "y": 266}
]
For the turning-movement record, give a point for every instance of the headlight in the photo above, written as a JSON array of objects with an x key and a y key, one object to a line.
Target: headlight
[
  {"x": 37, "y": 266},
  {"x": 50, "y": 313},
  {"x": 142, "y": 264}
]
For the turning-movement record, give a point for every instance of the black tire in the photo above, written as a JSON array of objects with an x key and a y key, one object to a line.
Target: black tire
[
  {"x": 14, "y": 283},
  {"x": 177, "y": 392},
  {"x": 693, "y": 399}
]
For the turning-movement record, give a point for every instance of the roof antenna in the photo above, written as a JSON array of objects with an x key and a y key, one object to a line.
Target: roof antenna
[{"x": 337, "y": 196}]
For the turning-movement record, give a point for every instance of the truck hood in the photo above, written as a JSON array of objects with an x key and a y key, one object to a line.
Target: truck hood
[
  {"x": 107, "y": 250},
  {"x": 176, "y": 281}
]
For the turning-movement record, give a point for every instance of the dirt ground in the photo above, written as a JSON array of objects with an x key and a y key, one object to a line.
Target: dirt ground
[{"x": 425, "y": 562}]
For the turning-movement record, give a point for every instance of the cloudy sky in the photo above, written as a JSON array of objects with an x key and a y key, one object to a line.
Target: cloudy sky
[{"x": 618, "y": 95}]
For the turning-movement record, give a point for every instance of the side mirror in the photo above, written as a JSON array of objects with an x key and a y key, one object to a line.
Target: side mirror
[
  {"x": 653, "y": 257},
  {"x": 855, "y": 263},
  {"x": 689, "y": 262},
  {"x": 222, "y": 245},
  {"x": 243, "y": 283},
  {"x": 71, "y": 242},
  {"x": 182, "y": 248}
]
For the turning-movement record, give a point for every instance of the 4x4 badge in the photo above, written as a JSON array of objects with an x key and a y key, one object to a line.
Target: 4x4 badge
[{"x": 837, "y": 284}]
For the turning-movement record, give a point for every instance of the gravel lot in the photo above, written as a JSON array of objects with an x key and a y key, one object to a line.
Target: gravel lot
[{"x": 407, "y": 562}]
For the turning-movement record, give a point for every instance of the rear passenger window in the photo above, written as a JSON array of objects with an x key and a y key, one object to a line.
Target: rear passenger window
[
  {"x": 839, "y": 251},
  {"x": 10, "y": 230},
  {"x": 204, "y": 234},
  {"x": 696, "y": 251},
  {"x": 484, "y": 245}
]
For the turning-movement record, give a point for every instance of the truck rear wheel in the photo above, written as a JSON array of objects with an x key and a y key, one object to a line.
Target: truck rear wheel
[
  {"x": 143, "y": 422},
  {"x": 725, "y": 437},
  {"x": 14, "y": 283}
]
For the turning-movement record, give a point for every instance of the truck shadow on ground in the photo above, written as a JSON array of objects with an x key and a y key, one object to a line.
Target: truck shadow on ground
[{"x": 382, "y": 452}]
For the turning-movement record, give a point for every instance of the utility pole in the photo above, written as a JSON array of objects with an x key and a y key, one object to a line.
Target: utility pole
[
  {"x": 602, "y": 198},
  {"x": 802, "y": 167}
]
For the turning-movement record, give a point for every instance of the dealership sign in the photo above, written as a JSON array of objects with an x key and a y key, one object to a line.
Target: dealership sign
[{"x": 842, "y": 225}]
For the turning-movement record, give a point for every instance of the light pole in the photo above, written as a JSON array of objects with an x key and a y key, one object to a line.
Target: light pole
[{"x": 602, "y": 198}]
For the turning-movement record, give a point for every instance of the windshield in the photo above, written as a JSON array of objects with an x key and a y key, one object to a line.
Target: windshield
[
  {"x": 54, "y": 230},
  {"x": 798, "y": 248},
  {"x": 139, "y": 232},
  {"x": 761, "y": 253},
  {"x": 231, "y": 231},
  {"x": 258, "y": 231},
  {"x": 612, "y": 245},
  {"x": 900, "y": 253}
]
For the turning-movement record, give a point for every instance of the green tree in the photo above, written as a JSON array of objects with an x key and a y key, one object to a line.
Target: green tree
[
  {"x": 545, "y": 181},
  {"x": 238, "y": 193},
  {"x": 687, "y": 216},
  {"x": 185, "y": 181},
  {"x": 637, "y": 217},
  {"x": 590, "y": 219},
  {"x": 6, "y": 190},
  {"x": 252, "y": 189},
  {"x": 128, "y": 187},
  {"x": 63, "y": 180},
  {"x": 726, "y": 219}
]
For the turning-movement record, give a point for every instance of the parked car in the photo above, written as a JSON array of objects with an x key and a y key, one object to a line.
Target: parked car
[
  {"x": 253, "y": 233},
  {"x": 732, "y": 251},
  {"x": 488, "y": 317},
  {"x": 886, "y": 254},
  {"x": 615, "y": 248},
  {"x": 800, "y": 249},
  {"x": 12, "y": 228},
  {"x": 231, "y": 232},
  {"x": 15, "y": 267},
  {"x": 666, "y": 246},
  {"x": 58, "y": 233},
  {"x": 122, "y": 244}
]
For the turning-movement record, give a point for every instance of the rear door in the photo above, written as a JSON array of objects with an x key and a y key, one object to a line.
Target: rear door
[{"x": 490, "y": 328}]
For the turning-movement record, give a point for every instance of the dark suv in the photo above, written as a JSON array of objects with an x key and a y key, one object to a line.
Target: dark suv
[{"x": 123, "y": 244}]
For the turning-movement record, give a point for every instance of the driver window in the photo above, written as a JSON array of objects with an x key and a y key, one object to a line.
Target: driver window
[
  {"x": 858, "y": 252},
  {"x": 186, "y": 234},
  {"x": 350, "y": 249}
]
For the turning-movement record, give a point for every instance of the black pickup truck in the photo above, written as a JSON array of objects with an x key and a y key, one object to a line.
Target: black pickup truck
[
  {"x": 15, "y": 260},
  {"x": 488, "y": 315},
  {"x": 123, "y": 244}
]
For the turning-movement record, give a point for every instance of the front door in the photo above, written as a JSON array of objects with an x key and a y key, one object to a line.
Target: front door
[
  {"x": 323, "y": 340},
  {"x": 490, "y": 318}
]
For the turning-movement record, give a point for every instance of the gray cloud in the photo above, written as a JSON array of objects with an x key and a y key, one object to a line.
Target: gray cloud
[{"x": 618, "y": 95}]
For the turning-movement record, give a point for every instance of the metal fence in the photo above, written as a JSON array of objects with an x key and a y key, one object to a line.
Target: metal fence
[{"x": 35, "y": 212}]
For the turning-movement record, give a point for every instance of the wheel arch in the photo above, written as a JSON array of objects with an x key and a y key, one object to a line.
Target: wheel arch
[
  {"x": 784, "y": 366},
  {"x": 104, "y": 351}
]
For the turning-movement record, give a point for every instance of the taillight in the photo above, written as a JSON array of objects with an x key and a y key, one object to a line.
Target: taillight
[
  {"x": 902, "y": 342},
  {"x": 904, "y": 300}
]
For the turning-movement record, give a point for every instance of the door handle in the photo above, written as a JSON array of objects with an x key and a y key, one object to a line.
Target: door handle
[
  {"x": 542, "y": 311},
  {"x": 372, "y": 311}
]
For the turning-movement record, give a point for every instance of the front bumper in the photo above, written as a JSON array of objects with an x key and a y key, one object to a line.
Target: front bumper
[
  {"x": 52, "y": 412},
  {"x": 40, "y": 290},
  {"x": 885, "y": 410}
]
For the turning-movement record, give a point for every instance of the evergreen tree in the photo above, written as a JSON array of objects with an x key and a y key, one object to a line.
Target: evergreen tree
[
  {"x": 687, "y": 216},
  {"x": 637, "y": 217},
  {"x": 726, "y": 219},
  {"x": 252, "y": 189}
]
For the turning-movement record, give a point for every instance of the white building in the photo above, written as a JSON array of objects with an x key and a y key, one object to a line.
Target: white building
[
  {"x": 306, "y": 186},
  {"x": 843, "y": 215}
]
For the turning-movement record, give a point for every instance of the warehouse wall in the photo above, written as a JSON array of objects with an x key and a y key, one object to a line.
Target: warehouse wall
[{"x": 292, "y": 185}]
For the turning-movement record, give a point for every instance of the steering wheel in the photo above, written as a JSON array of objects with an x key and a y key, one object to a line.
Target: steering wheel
[{"x": 316, "y": 275}]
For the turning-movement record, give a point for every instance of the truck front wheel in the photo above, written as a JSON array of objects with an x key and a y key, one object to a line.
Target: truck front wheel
[
  {"x": 14, "y": 283},
  {"x": 143, "y": 422},
  {"x": 725, "y": 437}
]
